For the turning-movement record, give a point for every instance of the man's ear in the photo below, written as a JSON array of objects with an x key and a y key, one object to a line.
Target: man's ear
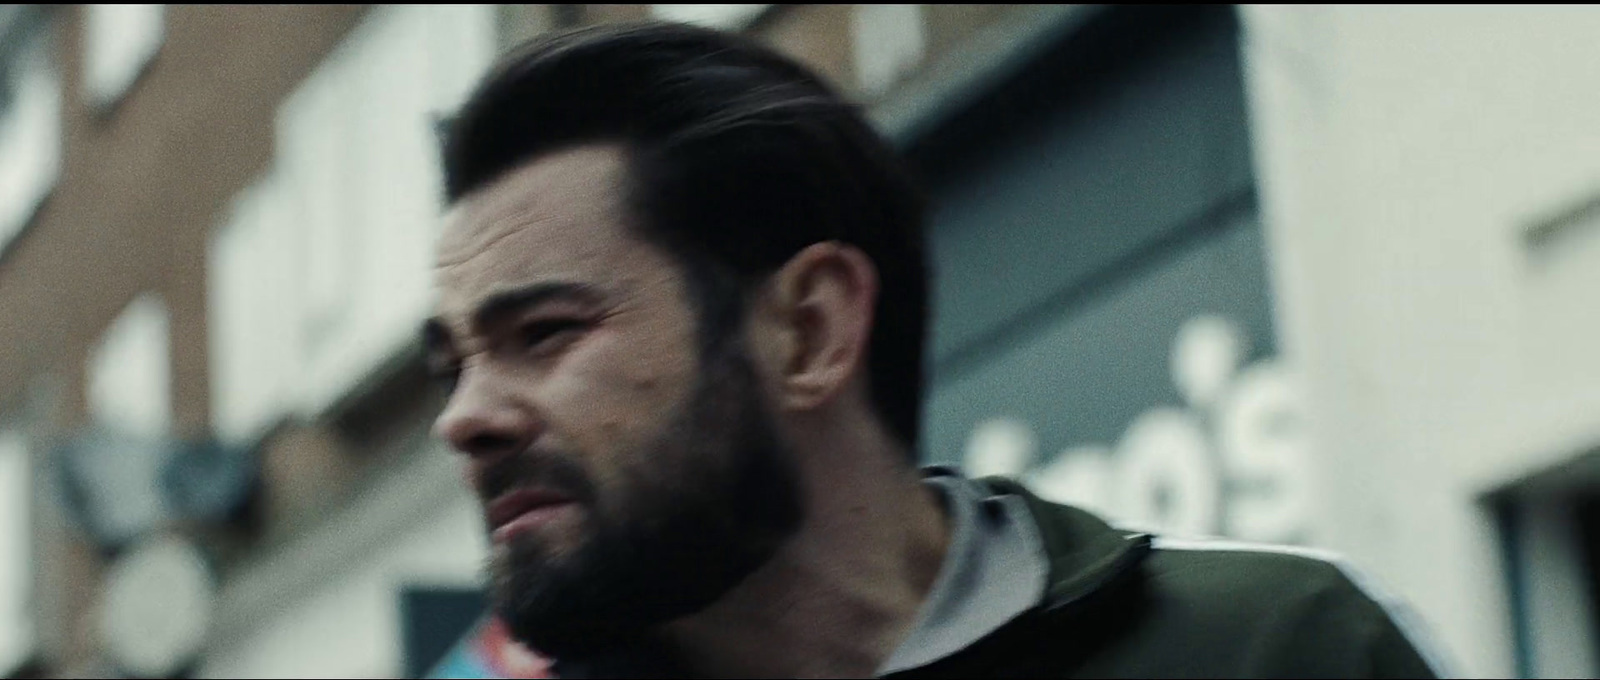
[{"x": 813, "y": 321}]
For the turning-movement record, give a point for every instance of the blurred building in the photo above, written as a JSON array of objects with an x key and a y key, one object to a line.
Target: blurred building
[{"x": 1313, "y": 276}]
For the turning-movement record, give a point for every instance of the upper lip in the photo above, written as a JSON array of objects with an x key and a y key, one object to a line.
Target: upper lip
[{"x": 508, "y": 506}]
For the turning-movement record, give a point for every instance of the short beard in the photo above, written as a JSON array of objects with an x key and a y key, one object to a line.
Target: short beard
[{"x": 720, "y": 496}]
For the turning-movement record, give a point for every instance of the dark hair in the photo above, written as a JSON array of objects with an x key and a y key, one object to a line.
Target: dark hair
[{"x": 738, "y": 159}]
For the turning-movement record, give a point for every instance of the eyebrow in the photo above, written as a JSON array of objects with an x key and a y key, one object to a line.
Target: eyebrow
[{"x": 497, "y": 306}]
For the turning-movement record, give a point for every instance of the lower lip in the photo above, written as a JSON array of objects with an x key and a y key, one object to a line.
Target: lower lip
[{"x": 532, "y": 520}]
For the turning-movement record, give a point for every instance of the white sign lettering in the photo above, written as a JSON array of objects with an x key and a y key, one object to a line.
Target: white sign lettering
[{"x": 1232, "y": 461}]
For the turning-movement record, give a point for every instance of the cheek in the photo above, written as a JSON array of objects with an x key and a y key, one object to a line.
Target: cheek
[{"x": 615, "y": 395}]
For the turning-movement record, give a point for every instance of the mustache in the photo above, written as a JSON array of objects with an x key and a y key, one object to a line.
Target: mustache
[{"x": 542, "y": 469}]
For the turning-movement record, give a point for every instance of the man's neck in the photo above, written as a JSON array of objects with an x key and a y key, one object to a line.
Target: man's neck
[{"x": 840, "y": 596}]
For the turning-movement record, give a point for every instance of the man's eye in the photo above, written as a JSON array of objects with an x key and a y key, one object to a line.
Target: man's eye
[
  {"x": 444, "y": 374},
  {"x": 545, "y": 336}
]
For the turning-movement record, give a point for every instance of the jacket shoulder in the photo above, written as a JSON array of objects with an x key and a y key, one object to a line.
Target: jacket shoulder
[
  {"x": 1129, "y": 604},
  {"x": 1292, "y": 611}
]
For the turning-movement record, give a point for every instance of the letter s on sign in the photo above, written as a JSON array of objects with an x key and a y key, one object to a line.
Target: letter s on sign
[{"x": 1261, "y": 431}]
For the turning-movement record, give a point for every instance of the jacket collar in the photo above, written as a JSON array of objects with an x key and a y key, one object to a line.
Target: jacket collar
[{"x": 1086, "y": 554}]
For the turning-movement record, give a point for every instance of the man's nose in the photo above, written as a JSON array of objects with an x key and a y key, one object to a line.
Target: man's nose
[{"x": 485, "y": 420}]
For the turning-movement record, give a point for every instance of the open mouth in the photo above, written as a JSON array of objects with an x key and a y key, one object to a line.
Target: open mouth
[{"x": 522, "y": 510}]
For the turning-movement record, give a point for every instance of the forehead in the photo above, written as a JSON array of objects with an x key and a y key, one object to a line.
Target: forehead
[{"x": 557, "y": 219}]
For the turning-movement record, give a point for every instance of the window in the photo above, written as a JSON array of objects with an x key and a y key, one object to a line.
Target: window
[
  {"x": 254, "y": 334},
  {"x": 30, "y": 120},
  {"x": 890, "y": 40},
  {"x": 1547, "y": 525},
  {"x": 321, "y": 275},
  {"x": 119, "y": 41},
  {"x": 129, "y": 376},
  {"x": 365, "y": 123},
  {"x": 129, "y": 399},
  {"x": 726, "y": 17},
  {"x": 16, "y": 562}
]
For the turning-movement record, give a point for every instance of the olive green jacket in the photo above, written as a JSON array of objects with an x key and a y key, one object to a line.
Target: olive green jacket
[{"x": 1130, "y": 605}]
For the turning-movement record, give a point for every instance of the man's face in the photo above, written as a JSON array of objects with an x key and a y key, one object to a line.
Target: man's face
[{"x": 629, "y": 477}]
